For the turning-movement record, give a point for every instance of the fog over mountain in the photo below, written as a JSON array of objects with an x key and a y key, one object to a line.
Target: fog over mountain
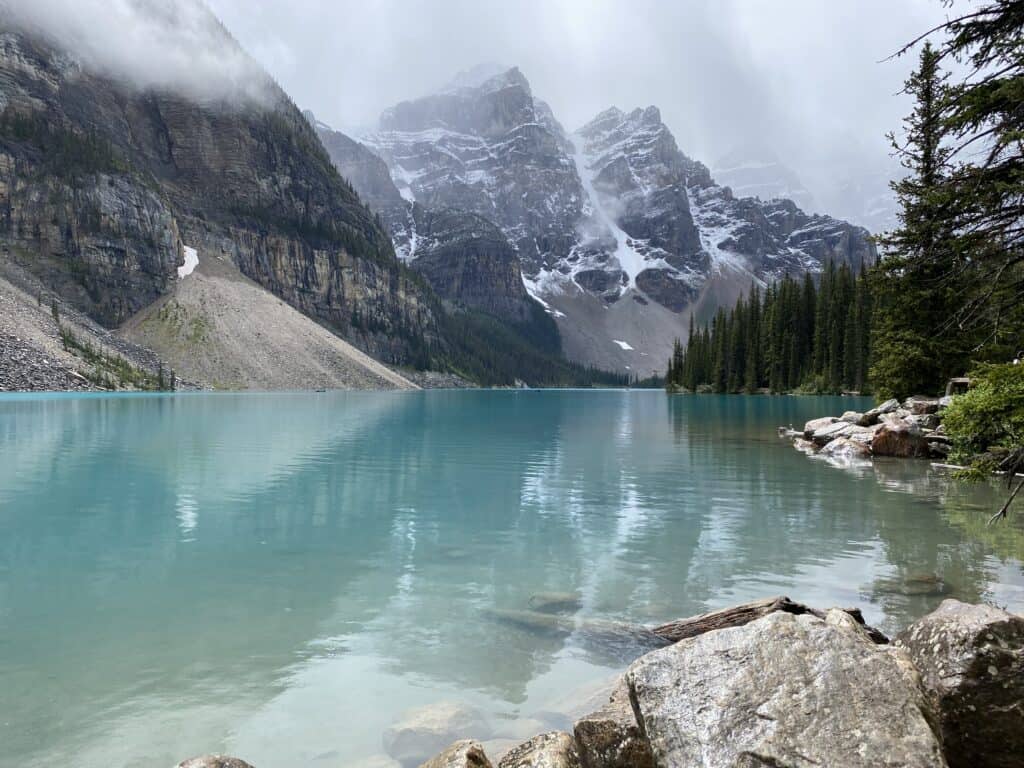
[{"x": 808, "y": 79}]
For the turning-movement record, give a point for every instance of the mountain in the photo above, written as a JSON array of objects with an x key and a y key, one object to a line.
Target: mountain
[
  {"x": 104, "y": 185},
  {"x": 617, "y": 232},
  {"x": 755, "y": 171}
]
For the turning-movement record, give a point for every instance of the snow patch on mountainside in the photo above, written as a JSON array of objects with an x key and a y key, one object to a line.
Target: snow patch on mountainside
[{"x": 191, "y": 262}]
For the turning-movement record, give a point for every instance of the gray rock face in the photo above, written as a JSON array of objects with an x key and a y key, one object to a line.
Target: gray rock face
[
  {"x": 213, "y": 761},
  {"x": 971, "y": 659},
  {"x": 833, "y": 431},
  {"x": 461, "y": 754},
  {"x": 426, "y": 731},
  {"x": 150, "y": 172},
  {"x": 784, "y": 690},
  {"x": 549, "y": 750},
  {"x": 611, "y": 738},
  {"x": 872, "y": 416}
]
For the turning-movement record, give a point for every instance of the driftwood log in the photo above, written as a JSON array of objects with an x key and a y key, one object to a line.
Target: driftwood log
[{"x": 738, "y": 615}]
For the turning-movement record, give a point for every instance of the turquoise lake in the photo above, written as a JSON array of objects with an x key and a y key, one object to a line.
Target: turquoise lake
[{"x": 280, "y": 576}]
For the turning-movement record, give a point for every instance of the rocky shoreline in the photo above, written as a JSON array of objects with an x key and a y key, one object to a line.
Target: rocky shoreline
[
  {"x": 772, "y": 683},
  {"x": 911, "y": 429}
]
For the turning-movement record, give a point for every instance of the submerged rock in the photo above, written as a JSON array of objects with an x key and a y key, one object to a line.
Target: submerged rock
[
  {"x": 784, "y": 690},
  {"x": 425, "y": 731},
  {"x": 549, "y": 750},
  {"x": 213, "y": 761},
  {"x": 971, "y": 659},
  {"x": 462, "y": 754},
  {"x": 610, "y": 737},
  {"x": 555, "y": 602}
]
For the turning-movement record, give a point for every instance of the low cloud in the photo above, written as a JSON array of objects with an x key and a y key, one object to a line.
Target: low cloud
[{"x": 165, "y": 45}]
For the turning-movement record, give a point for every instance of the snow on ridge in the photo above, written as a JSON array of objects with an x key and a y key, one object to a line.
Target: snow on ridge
[{"x": 191, "y": 262}]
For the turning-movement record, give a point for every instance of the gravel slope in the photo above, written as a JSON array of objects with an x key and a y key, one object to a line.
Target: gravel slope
[{"x": 220, "y": 328}]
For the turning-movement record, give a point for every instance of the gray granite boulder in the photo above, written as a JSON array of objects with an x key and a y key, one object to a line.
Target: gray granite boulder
[
  {"x": 871, "y": 416},
  {"x": 832, "y": 431},
  {"x": 549, "y": 750},
  {"x": 852, "y": 417},
  {"x": 971, "y": 659},
  {"x": 846, "y": 448},
  {"x": 783, "y": 691},
  {"x": 814, "y": 425},
  {"x": 462, "y": 754},
  {"x": 611, "y": 738}
]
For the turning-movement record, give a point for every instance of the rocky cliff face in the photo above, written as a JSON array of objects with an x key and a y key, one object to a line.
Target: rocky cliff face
[
  {"x": 618, "y": 233},
  {"x": 101, "y": 186},
  {"x": 465, "y": 258}
]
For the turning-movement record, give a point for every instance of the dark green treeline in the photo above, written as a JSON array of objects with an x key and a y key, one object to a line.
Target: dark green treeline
[{"x": 793, "y": 335}]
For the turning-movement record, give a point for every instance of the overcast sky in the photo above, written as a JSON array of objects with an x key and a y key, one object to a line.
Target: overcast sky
[{"x": 805, "y": 77}]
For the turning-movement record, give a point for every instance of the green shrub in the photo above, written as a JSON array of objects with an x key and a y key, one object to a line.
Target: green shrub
[{"x": 989, "y": 416}]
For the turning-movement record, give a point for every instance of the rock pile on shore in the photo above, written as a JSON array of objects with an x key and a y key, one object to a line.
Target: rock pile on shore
[
  {"x": 774, "y": 683},
  {"x": 912, "y": 429}
]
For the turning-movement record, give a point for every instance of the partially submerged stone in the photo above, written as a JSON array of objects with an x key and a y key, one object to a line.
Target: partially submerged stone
[
  {"x": 610, "y": 737},
  {"x": 971, "y": 660},
  {"x": 549, "y": 750},
  {"x": 814, "y": 425},
  {"x": 846, "y": 448},
  {"x": 462, "y": 754},
  {"x": 832, "y": 431},
  {"x": 213, "y": 761},
  {"x": 425, "y": 731},
  {"x": 901, "y": 439},
  {"x": 785, "y": 690}
]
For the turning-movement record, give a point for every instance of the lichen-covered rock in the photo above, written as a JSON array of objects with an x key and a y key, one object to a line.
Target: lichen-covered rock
[
  {"x": 422, "y": 732},
  {"x": 611, "y": 738},
  {"x": 971, "y": 659},
  {"x": 213, "y": 761},
  {"x": 815, "y": 425},
  {"x": 462, "y": 754},
  {"x": 901, "y": 439},
  {"x": 549, "y": 750},
  {"x": 784, "y": 691}
]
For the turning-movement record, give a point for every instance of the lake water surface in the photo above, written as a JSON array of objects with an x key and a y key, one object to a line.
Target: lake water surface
[{"x": 279, "y": 576}]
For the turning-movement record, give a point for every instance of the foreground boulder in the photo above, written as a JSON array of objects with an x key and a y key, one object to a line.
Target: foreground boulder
[
  {"x": 784, "y": 690},
  {"x": 549, "y": 750},
  {"x": 901, "y": 439},
  {"x": 423, "y": 732},
  {"x": 462, "y": 754},
  {"x": 971, "y": 659},
  {"x": 611, "y": 738},
  {"x": 213, "y": 761}
]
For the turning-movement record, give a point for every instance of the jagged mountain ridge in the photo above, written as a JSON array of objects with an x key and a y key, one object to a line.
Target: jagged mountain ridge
[{"x": 618, "y": 232}]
